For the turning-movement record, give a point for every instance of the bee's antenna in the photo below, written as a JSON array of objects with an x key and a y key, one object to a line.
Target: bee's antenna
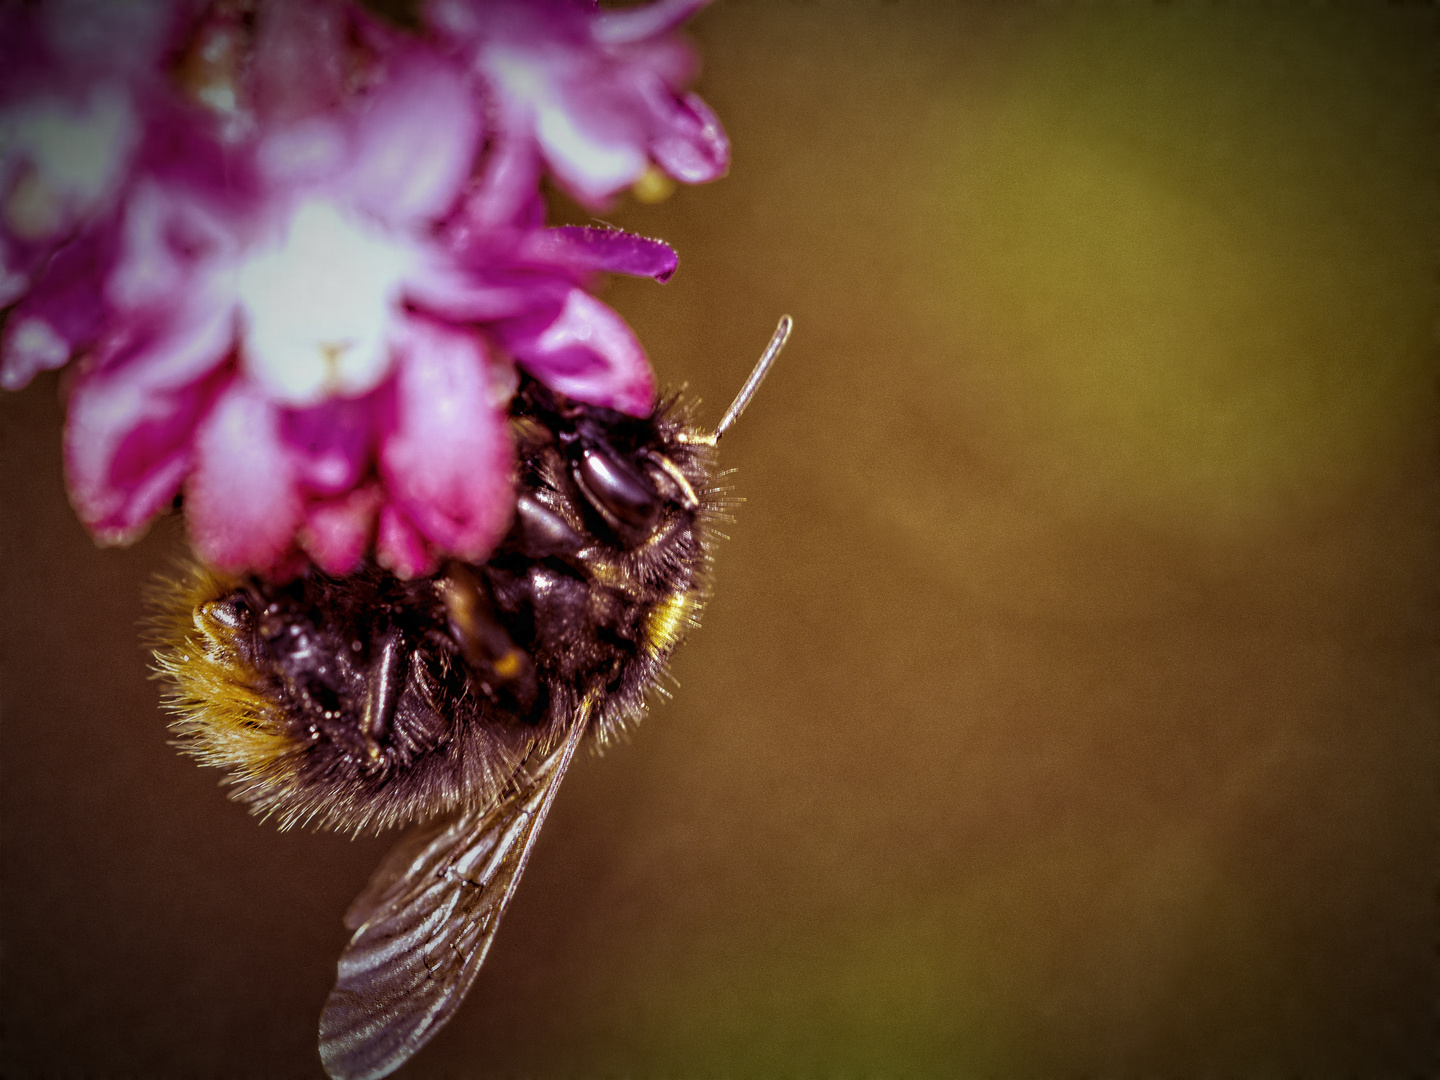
[{"x": 777, "y": 342}]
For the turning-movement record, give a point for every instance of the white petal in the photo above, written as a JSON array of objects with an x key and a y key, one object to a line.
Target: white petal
[
  {"x": 76, "y": 157},
  {"x": 318, "y": 307}
]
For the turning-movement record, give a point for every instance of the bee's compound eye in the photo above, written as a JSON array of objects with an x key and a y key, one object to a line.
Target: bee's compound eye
[{"x": 622, "y": 496}]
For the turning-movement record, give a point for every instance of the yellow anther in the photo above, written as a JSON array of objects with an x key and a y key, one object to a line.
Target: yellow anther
[{"x": 653, "y": 186}]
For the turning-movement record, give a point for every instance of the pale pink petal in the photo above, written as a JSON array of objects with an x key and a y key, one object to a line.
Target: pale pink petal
[
  {"x": 337, "y": 532},
  {"x": 309, "y": 150},
  {"x": 447, "y": 463},
  {"x": 417, "y": 143},
  {"x": 510, "y": 180},
  {"x": 241, "y": 499},
  {"x": 299, "y": 58},
  {"x": 689, "y": 142},
  {"x": 319, "y": 307},
  {"x": 587, "y": 353},
  {"x": 19, "y": 265},
  {"x": 174, "y": 249},
  {"x": 593, "y": 144},
  {"x": 31, "y": 345},
  {"x": 626, "y": 25},
  {"x": 64, "y": 160},
  {"x": 400, "y": 548},
  {"x": 473, "y": 291},
  {"x": 454, "y": 18}
]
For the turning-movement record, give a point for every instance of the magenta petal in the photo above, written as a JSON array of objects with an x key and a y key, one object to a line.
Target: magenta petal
[
  {"x": 400, "y": 548},
  {"x": 127, "y": 38},
  {"x": 447, "y": 464},
  {"x": 131, "y": 418},
  {"x": 585, "y": 248},
  {"x": 61, "y": 311},
  {"x": 588, "y": 353},
  {"x": 691, "y": 145},
  {"x": 331, "y": 443},
  {"x": 241, "y": 501},
  {"x": 338, "y": 531},
  {"x": 127, "y": 451}
]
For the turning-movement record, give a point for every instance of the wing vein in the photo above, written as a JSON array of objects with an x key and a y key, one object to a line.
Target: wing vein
[{"x": 422, "y": 927}]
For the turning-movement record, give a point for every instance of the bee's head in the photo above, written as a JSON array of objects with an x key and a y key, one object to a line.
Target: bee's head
[
  {"x": 598, "y": 486},
  {"x": 639, "y": 485}
]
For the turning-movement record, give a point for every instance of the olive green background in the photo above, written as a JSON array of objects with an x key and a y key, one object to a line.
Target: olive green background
[{"x": 1068, "y": 702}]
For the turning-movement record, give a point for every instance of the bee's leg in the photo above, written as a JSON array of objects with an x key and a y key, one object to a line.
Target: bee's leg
[
  {"x": 227, "y": 624},
  {"x": 385, "y": 681},
  {"x": 539, "y": 532},
  {"x": 492, "y": 655}
]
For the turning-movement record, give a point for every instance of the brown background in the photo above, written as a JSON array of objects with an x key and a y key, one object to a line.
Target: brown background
[{"x": 1068, "y": 705}]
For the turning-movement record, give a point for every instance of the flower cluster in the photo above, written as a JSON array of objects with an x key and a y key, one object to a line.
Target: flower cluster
[{"x": 296, "y": 253}]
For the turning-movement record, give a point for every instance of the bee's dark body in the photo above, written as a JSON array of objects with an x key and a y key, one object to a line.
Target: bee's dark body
[{"x": 372, "y": 701}]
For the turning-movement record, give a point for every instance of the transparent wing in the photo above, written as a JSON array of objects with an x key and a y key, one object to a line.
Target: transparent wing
[{"x": 425, "y": 922}]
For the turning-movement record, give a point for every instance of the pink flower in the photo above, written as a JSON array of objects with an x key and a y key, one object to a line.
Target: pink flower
[
  {"x": 593, "y": 94},
  {"x": 70, "y": 124},
  {"x": 296, "y": 300}
]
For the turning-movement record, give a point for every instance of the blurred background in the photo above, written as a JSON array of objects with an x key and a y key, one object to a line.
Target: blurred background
[{"x": 1068, "y": 702}]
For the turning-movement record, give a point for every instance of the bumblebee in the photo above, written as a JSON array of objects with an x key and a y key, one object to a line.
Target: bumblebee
[{"x": 456, "y": 700}]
